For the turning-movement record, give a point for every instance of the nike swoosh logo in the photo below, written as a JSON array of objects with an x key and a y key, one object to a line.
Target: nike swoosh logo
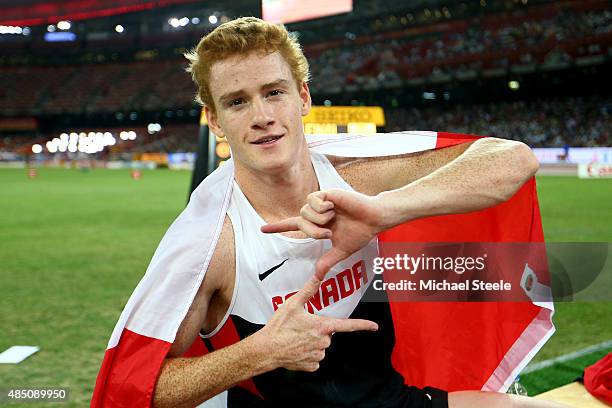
[{"x": 265, "y": 274}]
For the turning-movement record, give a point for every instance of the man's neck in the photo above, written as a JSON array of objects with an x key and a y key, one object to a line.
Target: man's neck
[{"x": 278, "y": 196}]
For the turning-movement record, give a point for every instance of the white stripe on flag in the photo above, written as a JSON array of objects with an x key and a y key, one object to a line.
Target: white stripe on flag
[{"x": 380, "y": 144}]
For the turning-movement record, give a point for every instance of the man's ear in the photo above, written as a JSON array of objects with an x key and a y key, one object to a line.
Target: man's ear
[
  {"x": 305, "y": 97},
  {"x": 213, "y": 122}
]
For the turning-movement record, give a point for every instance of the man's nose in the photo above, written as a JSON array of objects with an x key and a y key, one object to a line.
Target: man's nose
[{"x": 262, "y": 114}]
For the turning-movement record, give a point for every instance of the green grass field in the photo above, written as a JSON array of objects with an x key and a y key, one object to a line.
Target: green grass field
[{"x": 73, "y": 245}]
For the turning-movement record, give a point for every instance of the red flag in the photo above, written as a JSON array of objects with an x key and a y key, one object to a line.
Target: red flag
[
  {"x": 598, "y": 379},
  {"x": 476, "y": 345}
]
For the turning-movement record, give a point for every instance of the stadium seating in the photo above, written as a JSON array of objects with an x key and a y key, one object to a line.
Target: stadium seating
[
  {"x": 386, "y": 60},
  {"x": 391, "y": 50},
  {"x": 545, "y": 123}
]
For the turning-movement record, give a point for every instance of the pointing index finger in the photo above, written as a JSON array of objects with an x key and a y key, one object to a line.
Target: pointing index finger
[
  {"x": 289, "y": 224},
  {"x": 351, "y": 325}
]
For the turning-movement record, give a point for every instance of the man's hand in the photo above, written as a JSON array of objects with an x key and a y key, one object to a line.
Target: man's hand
[
  {"x": 296, "y": 339},
  {"x": 349, "y": 219}
]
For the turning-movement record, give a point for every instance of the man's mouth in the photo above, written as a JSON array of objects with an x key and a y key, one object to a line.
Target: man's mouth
[{"x": 267, "y": 140}]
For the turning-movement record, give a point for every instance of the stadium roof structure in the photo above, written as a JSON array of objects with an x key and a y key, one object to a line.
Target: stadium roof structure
[{"x": 36, "y": 12}]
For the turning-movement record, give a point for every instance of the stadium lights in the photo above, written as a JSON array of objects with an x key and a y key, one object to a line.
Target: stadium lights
[
  {"x": 51, "y": 28},
  {"x": 429, "y": 96},
  {"x": 127, "y": 135},
  {"x": 64, "y": 25},
  {"x": 4, "y": 29},
  {"x": 153, "y": 128},
  {"x": 514, "y": 85},
  {"x": 51, "y": 146},
  {"x": 119, "y": 28},
  {"x": 175, "y": 22},
  {"x": 37, "y": 148},
  {"x": 11, "y": 30},
  {"x": 212, "y": 19},
  {"x": 89, "y": 143}
]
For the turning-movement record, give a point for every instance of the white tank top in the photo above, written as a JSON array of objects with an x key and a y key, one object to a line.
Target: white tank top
[{"x": 272, "y": 267}]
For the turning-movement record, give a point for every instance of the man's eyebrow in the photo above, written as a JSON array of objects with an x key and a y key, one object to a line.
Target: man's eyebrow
[
  {"x": 231, "y": 95},
  {"x": 278, "y": 82}
]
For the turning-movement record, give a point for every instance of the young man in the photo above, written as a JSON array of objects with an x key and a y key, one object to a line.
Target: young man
[{"x": 297, "y": 218}]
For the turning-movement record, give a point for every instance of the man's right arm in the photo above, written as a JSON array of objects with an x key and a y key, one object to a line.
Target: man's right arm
[
  {"x": 187, "y": 382},
  {"x": 292, "y": 339}
]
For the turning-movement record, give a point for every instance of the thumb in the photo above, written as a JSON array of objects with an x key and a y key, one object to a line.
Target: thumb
[
  {"x": 328, "y": 260},
  {"x": 336, "y": 196}
]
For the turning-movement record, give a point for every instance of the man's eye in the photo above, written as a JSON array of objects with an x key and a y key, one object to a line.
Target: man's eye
[
  {"x": 275, "y": 92},
  {"x": 236, "y": 102}
]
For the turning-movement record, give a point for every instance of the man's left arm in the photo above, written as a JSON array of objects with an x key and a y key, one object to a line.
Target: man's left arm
[
  {"x": 394, "y": 190},
  {"x": 458, "y": 179}
]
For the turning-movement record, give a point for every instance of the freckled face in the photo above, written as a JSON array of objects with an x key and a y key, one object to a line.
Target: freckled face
[{"x": 258, "y": 109}]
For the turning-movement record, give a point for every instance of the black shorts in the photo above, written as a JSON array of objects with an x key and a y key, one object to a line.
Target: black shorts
[{"x": 427, "y": 397}]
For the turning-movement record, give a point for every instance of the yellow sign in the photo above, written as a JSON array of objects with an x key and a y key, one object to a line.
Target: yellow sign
[
  {"x": 159, "y": 158},
  {"x": 361, "y": 127},
  {"x": 320, "y": 128},
  {"x": 338, "y": 115},
  {"x": 343, "y": 115}
]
